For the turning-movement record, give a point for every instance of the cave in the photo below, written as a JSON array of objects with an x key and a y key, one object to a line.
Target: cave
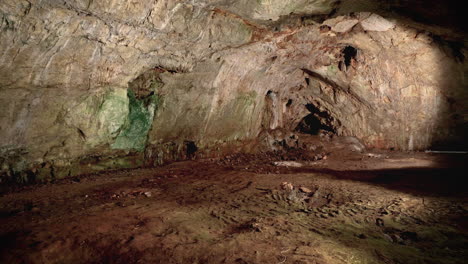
[{"x": 240, "y": 131}]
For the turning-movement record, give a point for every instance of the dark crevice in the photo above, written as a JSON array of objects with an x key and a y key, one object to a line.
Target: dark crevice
[
  {"x": 455, "y": 48},
  {"x": 191, "y": 148},
  {"x": 82, "y": 134},
  {"x": 316, "y": 121},
  {"x": 349, "y": 54}
]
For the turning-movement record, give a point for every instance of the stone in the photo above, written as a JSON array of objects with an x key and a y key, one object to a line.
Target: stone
[
  {"x": 345, "y": 26},
  {"x": 287, "y": 186},
  {"x": 288, "y": 164},
  {"x": 305, "y": 190},
  {"x": 388, "y": 238},
  {"x": 377, "y": 23},
  {"x": 397, "y": 239}
]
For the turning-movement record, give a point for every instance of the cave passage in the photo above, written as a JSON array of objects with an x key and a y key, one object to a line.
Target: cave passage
[{"x": 315, "y": 122}]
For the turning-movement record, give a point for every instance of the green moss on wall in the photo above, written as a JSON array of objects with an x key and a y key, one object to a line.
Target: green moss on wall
[{"x": 140, "y": 118}]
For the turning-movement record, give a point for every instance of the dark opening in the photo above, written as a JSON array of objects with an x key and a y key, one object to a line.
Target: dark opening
[
  {"x": 289, "y": 103},
  {"x": 349, "y": 54},
  {"x": 191, "y": 148},
  {"x": 324, "y": 28},
  {"x": 307, "y": 81},
  {"x": 82, "y": 134},
  {"x": 315, "y": 122}
]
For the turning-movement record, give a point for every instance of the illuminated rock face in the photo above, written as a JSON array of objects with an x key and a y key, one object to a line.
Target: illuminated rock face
[{"x": 87, "y": 84}]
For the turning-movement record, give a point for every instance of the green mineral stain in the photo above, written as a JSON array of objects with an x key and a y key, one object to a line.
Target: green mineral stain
[
  {"x": 332, "y": 69},
  {"x": 247, "y": 99},
  {"x": 112, "y": 111},
  {"x": 140, "y": 118}
]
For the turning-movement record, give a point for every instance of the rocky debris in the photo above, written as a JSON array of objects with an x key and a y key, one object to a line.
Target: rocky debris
[
  {"x": 288, "y": 164},
  {"x": 287, "y": 186},
  {"x": 374, "y": 155},
  {"x": 253, "y": 225},
  {"x": 131, "y": 194},
  {"x": 305, "y": 189},
  {"x": 351, "y": 143},
  {"x": 292, "y": 193},
  {"x": 272, "y": 161}
]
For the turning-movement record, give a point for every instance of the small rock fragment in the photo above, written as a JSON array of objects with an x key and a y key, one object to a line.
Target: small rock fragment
[
  {"x": 379, "y": 222},
  {"x": 345, "y": 26},
  {"x": 305, "y": 190},
  {"x": 287, "y": 186},
  {"x": 288, "y": 164},
  {"x": 377, "y": 23},
  {"x": 147, "y": 194},
  {"x": 396, "y": 238},
  {"x": 388, "y": 238}
]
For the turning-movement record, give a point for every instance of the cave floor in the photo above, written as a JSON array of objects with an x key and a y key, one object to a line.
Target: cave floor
[{"x": 385, "y": 207}]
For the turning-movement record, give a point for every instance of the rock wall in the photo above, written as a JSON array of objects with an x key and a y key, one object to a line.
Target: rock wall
[{"x": 89, "y": 85}]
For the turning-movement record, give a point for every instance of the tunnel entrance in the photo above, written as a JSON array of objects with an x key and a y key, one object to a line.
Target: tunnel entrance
[{"x": 315, "y": 122}]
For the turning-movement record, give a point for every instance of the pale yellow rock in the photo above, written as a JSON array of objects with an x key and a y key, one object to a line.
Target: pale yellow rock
[
  {"x": 377, "y": 23},
  {"x": 345, "y": 26}
]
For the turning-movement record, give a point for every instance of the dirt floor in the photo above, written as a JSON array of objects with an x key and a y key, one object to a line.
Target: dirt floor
[{"x": 337, "y": 206}]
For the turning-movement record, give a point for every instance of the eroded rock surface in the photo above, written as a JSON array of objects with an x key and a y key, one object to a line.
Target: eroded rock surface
[{"x": 92, "y": 85}]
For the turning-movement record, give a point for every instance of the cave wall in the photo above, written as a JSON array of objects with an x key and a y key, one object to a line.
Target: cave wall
[{"x": 89, "y": 85}]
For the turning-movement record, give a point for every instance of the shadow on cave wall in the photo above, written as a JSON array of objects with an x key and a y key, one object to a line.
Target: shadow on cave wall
[
  {"x": 448, "y": 14},
  {"x": 316, "y": 121},
  {"x": 449, "y": 134}
]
